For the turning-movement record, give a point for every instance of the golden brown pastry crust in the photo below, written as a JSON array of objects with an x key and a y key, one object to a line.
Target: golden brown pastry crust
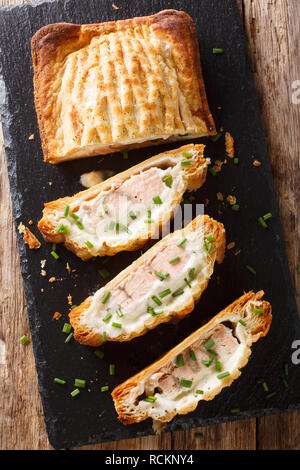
[
  {"x": 193, "y": 175},
  {"x": 61, "y": 49},
  {"x": 88, "y": 336},
  {"x": 257, "y": 327}
]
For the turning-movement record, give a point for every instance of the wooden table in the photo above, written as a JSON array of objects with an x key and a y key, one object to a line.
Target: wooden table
[{"x": 272, "y": 29}]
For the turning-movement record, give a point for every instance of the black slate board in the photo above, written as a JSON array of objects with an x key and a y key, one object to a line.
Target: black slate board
[{"x": 91, "y": 417}]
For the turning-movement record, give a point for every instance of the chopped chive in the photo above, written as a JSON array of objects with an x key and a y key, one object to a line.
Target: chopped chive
[
  {"x": 89, "y": 244},
  {"x": 73, "y": 306},
  {"x": 200, "y": 392},
  {"x": 59, "y": 381},
  {"x": 209, "y": 344},
  {"x": 286, "y": 385},
  {"x": 258, "y": 310},
  {"x": 112, "y": 225},
  {"x": 192, "y": 273},
  {"x": 151, "y": 399},
  {"x": 62, "y": 229},
  {"x": 211, "y": 351},
  {"x": 235, "y": 410},
  {"x": 217, "y": 50},
  {"x": 211, "y": 239},
  {"x": 242, "y": 322},
  {"x": 199, "y": 435},
  {"x": 157, "y": 200},
  {"x": 207, "y": 362},
  {"x": 270, "y": 395},
  {"x": 192, "y": 355},
  {"x": 119, "y": 313},
  {"x": 105, "y": 208},
  {"x": 132, "y": 215},
  {"x": 149, "y": 221},
  {"x": 216, "y": 137},
  {"x": 149, "y": 214},
  {"x": 112, "y": 369},
  {"x": 54, "y": 254},
  {"x": 180, "y": 360},
  {"x": 252, "y": 271},
  {"x": 24, "y": 339},
  {"x": 66, "y": 211},
  {"x": 53, "y": 246},
  {"x": 186, "y": 162},
  {"x": 150, "y": 310},
  {"x": 262, "y": 222},
  {"x": 80, "y": 383},
  {"x": 106, "y": 297},
  {"x": 173, "y": 260},
  {"x": 156, "y": 300},
  {"x": 105, "y": 259},
  {"x": 67, "y": 328},
  {"x": 207, "y": 247},
  {"x": 105, "y": 388},
  {"x": 186, "y": 383},
  {"x": 187, "y": 283},
  {"x": 178, "y": 292},
  {"x": 107, "y": 317},
  {"x": 161, "y": 276},
  {"x": 79, "y": 225},
  {"x": 99, "y": 353},
  {"x": 218, "y": 366},
  {"x": 104, "y": 273},
  {"x": 74, "y": 216},
  {"x": 182, "y": 242},
  {"x": 75, "y": 392},
  {"x": 100, "y": 214},
  {"x": 125, "y": 154},
  {"x": 286, "y": 370},
  {"x": 235, "y": 160},
  {"x": 154, "y": 314},
  {"x": 69, "y": 337},
  {"x": 164, "y": 293},
  {"x": 267, "y": 216},
  {"x": 168, "y": 180},
  {"x": 265, "y": 386},
  {"x": 185, "y": 154},
  {"x": 116, "y": 325},
  {"x": 223, "y": 375},
  {"x": 103, "y": 337},
  {"x": 235, "y": 207}
]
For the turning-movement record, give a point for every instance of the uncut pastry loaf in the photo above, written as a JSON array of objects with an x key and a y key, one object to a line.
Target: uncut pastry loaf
[
  {"x": 199, "y": 367},
  {"x": 124, "y": 211},
  {"x": 163, "y": 283},
  {"x": 101, "y": 88}
]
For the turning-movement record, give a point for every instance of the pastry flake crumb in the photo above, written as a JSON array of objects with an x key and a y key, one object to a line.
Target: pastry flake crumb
[
  {"x": 31, "y": 137},
  {"x": 115, "y": 7},
  {"x": 52, "y": 279},
  {"x": 220, "y": 197},
  {"x": 30, "y": 222},
  {"x": 237, "y": 252},
  {"x": 231, "y": 199},
  {"x": 230, "y": 245},
  {"x": 43, "y": 263},
  {"x": 229, "y": 145},
  {"x": 50, "y": 183},
  {"x": 68, "y": 268},
  {"x": 256, "y": 163},
  {"x": 42, "y": 290},
  {"x": 43, "y": 272},
  {"x": 70, "y": 301},
  {"x": 28, "y": 237},
  {"x": 57, "y": 316}
]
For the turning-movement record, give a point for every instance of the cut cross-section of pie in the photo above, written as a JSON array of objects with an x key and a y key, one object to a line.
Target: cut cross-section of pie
[
  {"x": 101, "y": 88},
  {"x": 124, "y": 211},
  {"x": 199, "y": 367},
  {"x": 162, "y": 284}
]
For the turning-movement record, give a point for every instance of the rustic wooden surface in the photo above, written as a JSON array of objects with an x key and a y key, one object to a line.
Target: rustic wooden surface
[{"x": 272, "y": 29}]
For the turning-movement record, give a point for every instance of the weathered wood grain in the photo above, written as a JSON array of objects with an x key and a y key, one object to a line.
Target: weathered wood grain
[{"x": 272, "y": 32}]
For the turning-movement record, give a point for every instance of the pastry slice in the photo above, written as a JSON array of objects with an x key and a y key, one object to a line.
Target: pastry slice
[
  {"x": 101, "y": 88},
  {"x": 162, "y": 284},
  {"x": 123, "y": 212},
  {"x": 199, "y": 367}
]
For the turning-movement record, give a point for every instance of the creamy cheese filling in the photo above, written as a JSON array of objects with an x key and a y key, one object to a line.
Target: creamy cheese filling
[
  {"x": 157, "y": 287},
  {"x": 119, "y": 214}
]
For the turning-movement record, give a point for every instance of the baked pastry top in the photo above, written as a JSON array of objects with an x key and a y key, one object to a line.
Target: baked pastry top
[{"x": 100, "y": 88}]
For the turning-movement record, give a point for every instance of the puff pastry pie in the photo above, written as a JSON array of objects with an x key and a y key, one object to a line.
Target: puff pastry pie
[
  {"x": 162, "y": 284},
  {"x": 100, "y": 88},
  {"x": 124, "y": 211},
  {"x": 199, "y": 367}
]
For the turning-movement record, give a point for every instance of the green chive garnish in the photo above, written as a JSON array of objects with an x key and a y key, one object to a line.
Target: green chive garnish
[
  {"x": 150, "y": 399},
  {"x": 157, "y": 200},
  {"x": 132, "y": 215},
  {"x": 120, "y": 313},
  {"x": 207, "y": 362},
  {"x": 235, "y": 161},
  {"x": 286, "y": 370},
  {"x": 69, "y": 337},
  {"x": 286, "y": 385},
  {"x": 156, "y": 300},
  {"x": 180, "y": 360},
  {"x": 24, "y": 339},
  {"x": 192, "y": 273},
  {"x": 161, "y": 276},
  {"x": 66, "y": 211},
  {"x": 192, "y": 355},
  {"x": 217, "y": 50},
  {"x": 242, "y": 322},
  {"x": 105, "y": 388},
  {"x": 107, "y": 317},
  {"x": 207, "y": 247},
  {"x": 80, "y": 383},
  {"x": 59, "y": 381},
  {"x": 262, "y": 222},
  {"x": 185, "y": 154},
  {"x": 104, "y": 273},
  {"x": 67, "y": 328},
  {"x": 106, "y": 297},
  {"x": 211, "y": 239},
  {"x": 177, "y": 293},
  {"x": 149, "y": 214},
  {"x": 105, "y": 208},
  {"x": 75, "y": 392},
  {"x": 252, "y": 271},
  {"x": 186, "y": 383},
  {"x": 187, "y": 283},
  {"x": 53, "y": 246},
  {"x": 89, "y": 244},
  {"x": 54, "y": 254},
  {"x": 235, "y": 207},
  {"x": 116, "y": 325},
  {"x": 223, "y": 375},
  {"x": 79, "y": 225},
  {"x": 235, "y": 410},
  {"x": 112, "y": 369},
  {"x": 164, "y": 293},
  {"x": 99, "y": 353},
  {"x": 62, "y": 229},
  {"x": 149, "y": 221},
  {"x": 103, "y": 337},
  {"x": 267, "y": 216},
  {"x": 182, "y": 242},
  {"x": 258, "y": 310},
  {"x": 186, "y": 162},
  {"x": 125, "y": 154},
  {"x": 73, "y": 306},
  {"x": 270, "y": 395},
  {"x": 168, "y": 180},
  {"x": 74, "y": 216},
  {"x": 216, "y": 137},
  {"x": 209, "y": 344},
  {"x": 218, "y": 366},
  {"x": 200, "y": 392},
  {"x": 173, "y": 260},
  {"x": 212, "y": 171}
]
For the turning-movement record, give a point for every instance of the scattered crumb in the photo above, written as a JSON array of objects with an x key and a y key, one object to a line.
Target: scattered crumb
[
  {"x": 230, "y": 245},
  {"x": 73, "y": 270},
  {"x": 206, "y": 201},
  {"x": 31, "y": 137},
  {"x": 229, "y": 145},
  {"x": 30, "y": 222},
  {"x": 256, "y": 163},
  {"x": 89, "y": 390},
  {"x": 70, "y": 301},
  {"x": 57, "y": 316},
  {"x": 68, "y": 267},
  {"x": 43, "y": 272},
  {"x": 43, "y": 263},
  {"x": 285, "y": 195},
  {"x": 237, "y": 252},
  {"x": 42, "y": 290},
  {"x": 95, "y": 177},
  {"x": 50, "y": 183},
  {"x": 218, "y": 166},
  {"x": 158, "y": 426},
  {"x": 220, "y": 197},
  {"x": 52, "y": 279},
  {"x": 28, "y": 237},
  {"x": 219, "y": 107},
  {"x": 115, "y": 7},
  {"x": 231, "y": 199}
]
